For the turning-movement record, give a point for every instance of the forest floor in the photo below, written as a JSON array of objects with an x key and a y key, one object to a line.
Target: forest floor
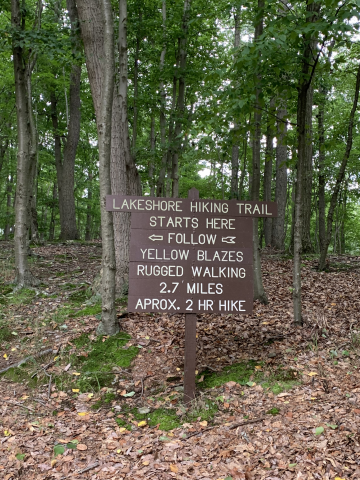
[{"x": 274, "y": 401}]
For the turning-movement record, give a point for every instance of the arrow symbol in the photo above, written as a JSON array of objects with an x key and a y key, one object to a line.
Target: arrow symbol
[
  {"x": 228, "y": 239},
  {"x": 154, "y": 238}
]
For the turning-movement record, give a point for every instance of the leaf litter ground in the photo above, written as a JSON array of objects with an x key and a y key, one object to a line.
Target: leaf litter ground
[{"x": 273, "y": 401}]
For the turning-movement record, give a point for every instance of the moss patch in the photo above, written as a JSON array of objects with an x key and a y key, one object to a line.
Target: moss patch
[
  {"x": 5, "y": 333},
  {"x": 239, "y": 373},
  {"x": 91, "y": 310},
  {"x": 21, "y": 375},
  {"x": 167, "y": 418},
  {"x": 21, "y": 297},
  {"x": 277, "y": 381},
  {"x": 103, "y": 355}
]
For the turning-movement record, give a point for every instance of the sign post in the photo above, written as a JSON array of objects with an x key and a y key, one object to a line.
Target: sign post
[
  {"x": 190, "y": 256},
  {"x": 190, "y": 341}
]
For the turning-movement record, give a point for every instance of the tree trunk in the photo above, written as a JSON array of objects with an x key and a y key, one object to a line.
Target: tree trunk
[
  {"x": 259, "y": 292},
  {"x": 268, "y": 173},
  {"x": 9, "y": 187},
  {"x": 124, "y": 176},
  {"x": 160, "y": 189},
  {"x": 308, "y": 69},
  {"x": 152, "y": 158},
  {"x": 136, "y": 87},
  {"x": 109, "y": 324},
  {"x": 278, "y": 225},
  {"x": 52, "y": 219},
  {"x": 306, "y": 196},
  {"x": 88, "y": 229},
  {"x": 180, "y": 102},
  {"x": 322, "y": 182},
  {"x": 26, "y": 155},
  {"x": 243, "y": 170},
  {"x": 65, "y": 167},
  {"x": 340, "y": 175},
  {"x": 234, "y": 186}
]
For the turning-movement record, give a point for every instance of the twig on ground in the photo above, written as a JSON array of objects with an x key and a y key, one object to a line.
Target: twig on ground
[
  {"x": 24, "y": 360},
  {"x": 42, "y": 403},
  {"x": 18, "y": 404},
  {"x": 235, "y": 425},
  {"x": 90, "y": 467}
]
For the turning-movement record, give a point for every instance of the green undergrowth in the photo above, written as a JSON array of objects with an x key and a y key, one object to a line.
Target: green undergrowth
[
  {"x": 167, "y": 418},
  {"x": 21, "y": 375},
  {"x": 245, "y": 373},
  {"x": 9, "y": 296},
  {"x": 98, "y": 361},
  {"x": 5, "y": 333}
]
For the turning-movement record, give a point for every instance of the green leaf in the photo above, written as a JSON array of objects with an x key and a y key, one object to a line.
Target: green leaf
[
  {"x": 319, "y": 430},
  {"x": 332, "y": 425},
  {"x": 72, "y": 445},
  {"x": 20, "y": 456},
  {"x": 292, "y": 465},
  {"x": 250, "y": 384},
  {"x": 228, "y": 478},
  {"x": 165, "y": 439},
  {"x": 130, "y": 394},
  {"x": 58, "y": 450}
]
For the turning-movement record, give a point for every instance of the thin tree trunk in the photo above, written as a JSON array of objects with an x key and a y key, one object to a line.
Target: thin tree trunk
[
  {"x": 88, "y": 229},
  {"x": 234, "y": 186},
  {"x": 243, "y": 171},
  {"x": 108, "y": 325},
  {"x": 9, "y": 187},
  {"x": 170, "y": 151},
  {"x": 268, "y": 173},
  {"x": 136, "y": 87},
  {"x": 26, "y": 154},
  {"x": 278, "y": 225},
  {"x": 259, "y": 292},
  {"x": 340, "y": 175},
  {"x": 180, "y": 101},
  {"x": 322, "y": 182},
  {"x": 160, "y": 189},
  {"x": 308, "y": 68},
  {"x": 152, "y": 158},
  {"x": 52, "y": 219},
  {"x": 306, "y": 196}
]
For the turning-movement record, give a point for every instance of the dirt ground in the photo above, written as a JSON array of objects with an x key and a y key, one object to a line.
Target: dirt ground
[{"x": 274, "y": 401}]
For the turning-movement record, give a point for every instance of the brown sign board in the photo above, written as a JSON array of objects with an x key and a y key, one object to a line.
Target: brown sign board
[
  {"x": 185, "y": 206},
  {"x": 191, "y": 256}
]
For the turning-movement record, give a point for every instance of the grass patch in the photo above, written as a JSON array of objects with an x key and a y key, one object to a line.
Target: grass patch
[
  {"x": 21, "y": 375},
  {"x": 5, "y": 333},
  {"x": 21, "y": 297},
  {"x": 167, "y": 418},
  {"x": 90, "y": 310},
  {"x": 97, "y": 360},
  {"x": 273, "y": 411},
  {"x": 238, "y": 372}
]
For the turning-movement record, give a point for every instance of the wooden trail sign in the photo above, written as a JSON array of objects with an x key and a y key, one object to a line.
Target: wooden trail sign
[{"x": 190, "y": 256}]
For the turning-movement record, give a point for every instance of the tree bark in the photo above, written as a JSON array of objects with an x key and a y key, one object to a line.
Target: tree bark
[
  {"x": 8, "y": 224},
  {"x": 268, "y": 173},
  {"x": 306, "y": 197},
  {"x": 109, "y": 324},
  {"x": 340, "y": 175},
  {"x": 52, "y": 219},
  {"x": 234, "y": 185},
  {"x": 124, "y": 176},
  {"x": 26, "y": 156},
  {"x": 88, "y": 229},
  {"x": 322, "y": 182},
  {"x": 278, "y": 223},
  {"x": 308, "y": 68},
  {"x": 152, "y": 158},
  {"x": 259, "y": 292}
]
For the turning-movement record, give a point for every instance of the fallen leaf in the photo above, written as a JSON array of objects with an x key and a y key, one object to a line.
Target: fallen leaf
[
  {"x": 174, "y": 468},
  {"x": 142, "y": 424},
  {"x": 81, "y": 447},
  {"x": 204, "y": 423},
  {"x": 82, "y": 414},
  {"x": 76, "y": 390},
  {"x": 311, "y": 374},
  {"x": 76, "y": 373},
  {"x": 319, "y": 430}
]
